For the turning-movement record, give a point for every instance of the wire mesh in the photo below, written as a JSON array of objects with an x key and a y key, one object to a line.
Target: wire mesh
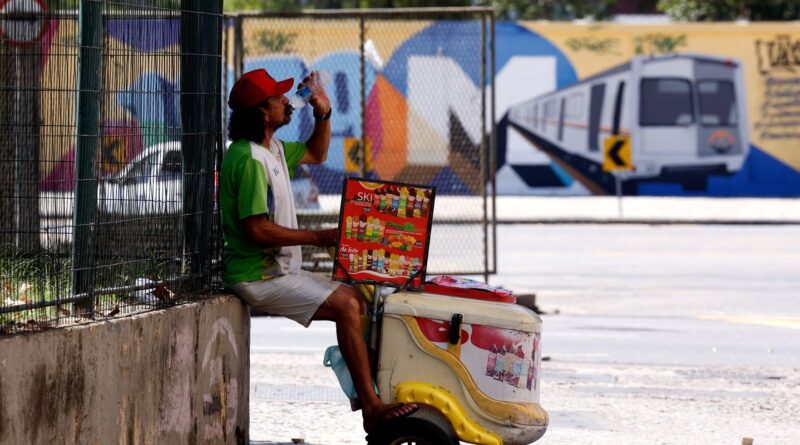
[
  {"x": 108, "y": 172},
  {"x": 136, "y": 228},
  {"x": 408, "y": 91}
]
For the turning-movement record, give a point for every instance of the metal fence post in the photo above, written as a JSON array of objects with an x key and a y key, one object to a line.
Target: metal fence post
[
  {"x": 362, "y": 159},
  {"x": 84, "y": 236},
  {"x": 238, "y": 48},
  {"x": 483, "y": 154},
  {"x": 201, "y": 53},
  {"x": 493, "y": 141}
]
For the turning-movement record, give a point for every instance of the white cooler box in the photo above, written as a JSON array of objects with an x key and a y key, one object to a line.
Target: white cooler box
[{"x": 481, "y": 381}]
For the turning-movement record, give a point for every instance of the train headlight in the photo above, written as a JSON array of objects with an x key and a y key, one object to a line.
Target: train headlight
[{"x": 722, "y": 141}]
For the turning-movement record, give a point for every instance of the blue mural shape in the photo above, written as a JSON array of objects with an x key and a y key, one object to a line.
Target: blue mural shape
[
  {"x": 454, "y": 39},
  {"x": 145, "y": 34},
  {"x": 515, "y": 40},
  {"x": 152, "y": 99}
]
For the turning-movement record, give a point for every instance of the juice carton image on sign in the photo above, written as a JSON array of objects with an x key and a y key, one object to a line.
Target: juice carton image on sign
[{"x": 683, "y": 116}]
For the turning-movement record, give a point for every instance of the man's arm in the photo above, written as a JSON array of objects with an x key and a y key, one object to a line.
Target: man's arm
[
  {"x": 318, "y": 143},
  {"x": 320, "y": 138},
  {"x": 261, "y": 230}
]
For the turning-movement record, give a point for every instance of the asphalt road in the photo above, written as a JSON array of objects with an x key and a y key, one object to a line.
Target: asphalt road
[{"x": 653, "y": 334}]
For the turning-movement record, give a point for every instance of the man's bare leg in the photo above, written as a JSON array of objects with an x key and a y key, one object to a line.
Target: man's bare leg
[{"x": 344, "y": 307}]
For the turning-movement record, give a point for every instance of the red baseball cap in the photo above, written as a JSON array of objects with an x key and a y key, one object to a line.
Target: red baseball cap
[{"x": 255, "y": 87}]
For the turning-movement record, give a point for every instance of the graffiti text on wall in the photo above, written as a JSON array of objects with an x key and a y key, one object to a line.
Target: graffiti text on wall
[
  {"x": 780, "y": 53},
  {"x": 273, "y": 42},
  {"x": 780, "y": 112},
  {"x": 658, "y": 43},
  {"x": 593, "y": 44}
]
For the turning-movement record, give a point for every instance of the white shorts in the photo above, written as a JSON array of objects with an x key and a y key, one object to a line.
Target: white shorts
[{"x": 296, "y": 296}]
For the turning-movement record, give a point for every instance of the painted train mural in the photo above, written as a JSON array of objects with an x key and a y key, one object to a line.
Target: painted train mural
[
  {"x": 707, "y": 109},
  {"x": 682, "y": 116}
]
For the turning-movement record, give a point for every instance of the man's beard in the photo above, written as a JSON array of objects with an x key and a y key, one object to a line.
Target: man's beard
[{"x": 287, "y": 112}]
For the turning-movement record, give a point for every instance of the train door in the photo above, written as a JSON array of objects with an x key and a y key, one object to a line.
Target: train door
[
  {"x": 598, "y": 94},
  {"x": 561, "y": 119},
  {"x": 719, "y": 130}
]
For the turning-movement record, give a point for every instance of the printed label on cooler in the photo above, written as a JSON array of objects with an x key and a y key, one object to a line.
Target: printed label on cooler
[{"x": 503, "y": 363}]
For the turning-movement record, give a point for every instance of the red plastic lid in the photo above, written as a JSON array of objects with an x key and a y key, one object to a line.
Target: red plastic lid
[{"x": 478, "y": 294}]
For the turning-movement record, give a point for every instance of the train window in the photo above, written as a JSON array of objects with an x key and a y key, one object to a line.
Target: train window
[
  {"x": 536, "y": 116},
  {"x": 717, "y": 103},
  {"x": 618, "y": 108},
  {"x": 574, "y": 106},
  {"x": 666, "y": 102},
  {"x": 550, "y": 108},
  {"x": 598, "y": 94}
]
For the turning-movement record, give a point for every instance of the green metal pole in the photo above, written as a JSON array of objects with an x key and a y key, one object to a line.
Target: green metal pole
[
  {"x": 238, "y": 48},
  {"x": 84, "y": 215},
  {"x": 484, "y": 155},
  {"x": 363, "y": 90},
  {"x": 201, "y": 64},
  {"x": 493, "y": 141}
]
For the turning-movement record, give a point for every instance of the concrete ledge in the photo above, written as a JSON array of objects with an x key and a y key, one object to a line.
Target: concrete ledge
[{"x": 174, "y": 376}]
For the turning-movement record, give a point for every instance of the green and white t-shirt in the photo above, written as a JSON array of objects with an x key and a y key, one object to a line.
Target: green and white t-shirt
[{"x": 255, "y": 180}]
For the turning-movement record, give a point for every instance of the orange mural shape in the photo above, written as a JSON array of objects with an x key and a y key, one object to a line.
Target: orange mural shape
[{"x": 390, "y": 138}]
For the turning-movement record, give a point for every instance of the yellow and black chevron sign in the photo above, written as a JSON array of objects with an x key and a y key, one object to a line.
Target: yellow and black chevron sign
[{"x": 617, "y": 153}]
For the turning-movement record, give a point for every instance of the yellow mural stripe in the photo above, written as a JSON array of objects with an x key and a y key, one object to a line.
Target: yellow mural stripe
[{"x": 779, "y": 322}]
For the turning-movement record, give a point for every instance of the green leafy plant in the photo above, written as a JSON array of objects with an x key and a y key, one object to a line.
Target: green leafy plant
[
  {"x": 268, "y": 41},
  {"x": 720, "y": 10},
  {"x": 658, "y": 43},
  {"x": 593, "y": 44}
]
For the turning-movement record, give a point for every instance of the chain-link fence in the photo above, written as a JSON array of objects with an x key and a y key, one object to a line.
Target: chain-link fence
[
  {"x": 412, "y": 101},
  {"x": 110, "y": 133}
]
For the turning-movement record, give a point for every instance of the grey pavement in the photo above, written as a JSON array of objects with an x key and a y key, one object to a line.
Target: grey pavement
[
  {"x": 629, "y": 209},
  {"x": 654, "y": 334},
  {"x": 605, "y": 380}
]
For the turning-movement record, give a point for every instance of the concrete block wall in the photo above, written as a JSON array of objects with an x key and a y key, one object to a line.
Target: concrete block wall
[{"x": 174, "y": 376}]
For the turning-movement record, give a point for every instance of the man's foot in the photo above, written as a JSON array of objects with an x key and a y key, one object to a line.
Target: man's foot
[{"x": 387, "y": 412}]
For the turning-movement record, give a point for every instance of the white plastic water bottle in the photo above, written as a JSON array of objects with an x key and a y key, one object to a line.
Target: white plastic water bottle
[
  {"x": 303, "y": 95},
  {"x": 333, "y": 359}
]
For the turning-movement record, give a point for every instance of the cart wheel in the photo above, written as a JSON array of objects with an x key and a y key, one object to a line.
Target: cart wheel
[{"x": 409, "y": 430}]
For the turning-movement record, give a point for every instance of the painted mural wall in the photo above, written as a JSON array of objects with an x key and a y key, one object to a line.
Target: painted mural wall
[
  {"x": 423, "y": 95},
  {"x": 705, "y": 110},
  {"x": 708, "y": 109},
  {"x": 139, "y": 110}
]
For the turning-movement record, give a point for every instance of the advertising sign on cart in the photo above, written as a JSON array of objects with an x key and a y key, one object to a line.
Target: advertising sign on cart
[{"x": 384, "y": 233}]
